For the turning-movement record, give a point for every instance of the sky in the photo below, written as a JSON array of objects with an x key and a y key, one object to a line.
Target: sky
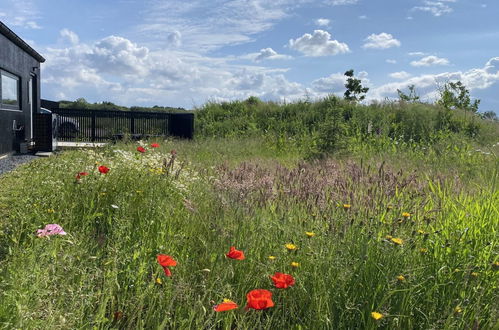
[{"x": 184, "y": 53}]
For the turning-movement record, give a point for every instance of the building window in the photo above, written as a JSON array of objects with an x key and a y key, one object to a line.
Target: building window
[{"x": 9, "y": 91}]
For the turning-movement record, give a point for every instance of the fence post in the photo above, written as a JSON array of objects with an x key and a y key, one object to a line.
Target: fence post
[
  {"x": 93, "y": 126},
  {"x": 132, "y": 123}
]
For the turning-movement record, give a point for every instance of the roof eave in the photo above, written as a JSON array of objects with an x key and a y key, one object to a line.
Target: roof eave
[{"x": 9, "y": 34}]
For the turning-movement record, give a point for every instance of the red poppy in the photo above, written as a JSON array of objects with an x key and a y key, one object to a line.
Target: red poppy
[
  {"x": 154, "y": 145},
  {"x": 141, "y": 149},
  {"x": 227, "y": 305},
  {"x": 259, "y": 299},
  {"x": 282, "y": 281},
  {"x": 166, "y": 261},
  {"x": 235, "y": 254},
  {"x": 79, "y": 175},
  {"x": 168, "y": 272},
  {"x": 103, "y": 169}
]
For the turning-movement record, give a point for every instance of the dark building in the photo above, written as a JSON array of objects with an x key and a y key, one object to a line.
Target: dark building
[{"x": 19, "y": 90}]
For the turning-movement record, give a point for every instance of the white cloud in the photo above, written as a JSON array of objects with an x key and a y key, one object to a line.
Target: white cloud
[
  {"x": 331, "y": 84},
  {"x": 206, "y": 27},
  {"x": 70, "y": 36},
  {"x": 362, "y": 17},
  {"x": 318, "y": 44},
  {"x": 32, "y": 25},
  {"x": 322, "y": 22},
  {"x": 430, "y": 61},
  {"x": 399, "y": 75},
  {"x": 381, "y": 41},
  {"x": 269, "y": 54},
  {"x": 341, "y": 2},
  {"x": 335, "y": 83},
  {"x": 175, "y": 39},
  {"x": 391, "y": 61},
  {"x": 417, "y": 54},
  {"x": 118, "y": 70},
  {"x": 118, "y": 56},
  {"x": 435, "y": 7},
  {"x": 426, "y": 85},
  {"x": 21, "y": 13}
]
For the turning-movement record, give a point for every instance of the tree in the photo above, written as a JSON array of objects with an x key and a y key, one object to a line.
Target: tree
[
  {"x": 490, "y": 115},
  {"x": 411, "y": 98},
  {"x": 454, "y": 95},
  {"x": 355, "y": 92}
]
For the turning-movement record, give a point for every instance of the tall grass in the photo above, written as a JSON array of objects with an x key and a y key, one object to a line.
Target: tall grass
[{"x": 258, "y": 197}]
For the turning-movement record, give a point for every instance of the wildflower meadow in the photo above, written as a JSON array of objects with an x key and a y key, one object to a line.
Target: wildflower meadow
[{"x": 240, "y": 233}]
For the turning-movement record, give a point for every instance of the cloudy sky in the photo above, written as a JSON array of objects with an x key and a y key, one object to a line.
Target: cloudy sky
[{"x": 187, "y": 52}]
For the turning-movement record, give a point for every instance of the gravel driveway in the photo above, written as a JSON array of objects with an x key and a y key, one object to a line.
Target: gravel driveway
[{"x": 11, "y": 162}]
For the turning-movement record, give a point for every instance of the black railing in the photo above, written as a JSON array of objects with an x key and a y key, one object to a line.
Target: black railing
[{"x": 103, "y": 125}]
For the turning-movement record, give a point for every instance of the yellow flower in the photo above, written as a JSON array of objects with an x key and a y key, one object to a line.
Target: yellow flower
[
  {"x": 291, "y": 247},
  {"x": 295, "y": 264},
  {"x": 346, "y": 206},
  {"x": 421, "y": 232},
  {"x": 377, "y": 316},
  {"x": 397, "y": 241},
  {"x": 139, "y": 191},
  {"x": 495, "y": 265},
  {"x": 159, "y": 281},
  {"x": 272, "y": 257},
  {"x": 406, "y": 214},
  {"x": 401, "y": 278},
  {"x": 50, "y": 211},
  {"x": 389, "y": 207},
  {"x": 474, "y": 274},
  {"x": 103, "y": 194},
  {"x": 423, "y": 250},
  {"x": 225, "y": 300},
  {"x": 310, "y": 234},
  {"x": 458, "y": 310},
  {"x": 388, "y": 236}
]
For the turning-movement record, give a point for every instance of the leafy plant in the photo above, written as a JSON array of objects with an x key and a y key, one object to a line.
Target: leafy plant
[
  {"x": 454, "y": 95},
  {"x": 355, "y": 92},
  {"x": 412, "y": 97}
]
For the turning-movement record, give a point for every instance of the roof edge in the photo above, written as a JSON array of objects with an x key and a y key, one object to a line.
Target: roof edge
[{"x": 9, "y": 34}]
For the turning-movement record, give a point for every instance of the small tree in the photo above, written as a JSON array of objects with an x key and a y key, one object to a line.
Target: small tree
[
  {"x": 454, "y": 95},
  {"x": 355, "y": 92},
  {"x": 411, "y": 98},
  {"x": 490, "y": 115}
]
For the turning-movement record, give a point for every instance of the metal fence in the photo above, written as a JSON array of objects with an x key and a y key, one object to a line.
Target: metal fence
[{"x": 102, "y": 125}]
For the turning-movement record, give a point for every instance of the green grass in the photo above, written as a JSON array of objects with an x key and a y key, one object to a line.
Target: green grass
[{"x": 257, "y": 196}]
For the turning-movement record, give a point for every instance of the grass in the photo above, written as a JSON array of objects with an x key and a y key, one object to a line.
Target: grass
[{"x": 257, "y": 196}]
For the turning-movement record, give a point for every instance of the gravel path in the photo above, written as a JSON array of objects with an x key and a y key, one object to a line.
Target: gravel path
[{"x": 11, "y": 162}]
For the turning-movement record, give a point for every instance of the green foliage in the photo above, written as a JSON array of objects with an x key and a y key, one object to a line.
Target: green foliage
[
  {"x": 490, "y": 115},
  {"x": 327, "y": 125},
  {"x": 412, "y": 97},
  {"x": 355, "y": 92},
  {"x": 81, "y": 103},
  {"x": 104, "y": 273},
  {"x": 454, "y": 95}
]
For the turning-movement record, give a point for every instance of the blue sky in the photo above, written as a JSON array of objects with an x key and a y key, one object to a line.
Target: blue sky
[{"x": 185, "y": 53}]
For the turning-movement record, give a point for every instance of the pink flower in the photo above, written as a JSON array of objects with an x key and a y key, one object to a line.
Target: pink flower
[{"x": 49, "y": 230}]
